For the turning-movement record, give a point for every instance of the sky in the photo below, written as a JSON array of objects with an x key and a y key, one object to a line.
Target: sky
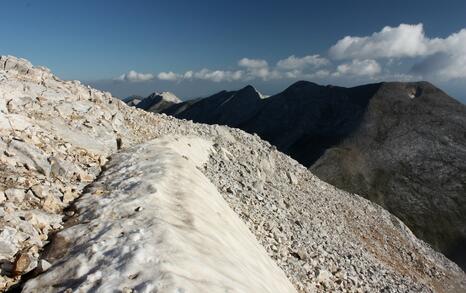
[{"x": 197, "y": 48}]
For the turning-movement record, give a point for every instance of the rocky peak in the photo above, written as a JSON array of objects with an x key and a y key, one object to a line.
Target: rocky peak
[
  {"x": 166, "y": 96},
  {"x": 158, "y": 101},
  {"x": 251, "y": 92},
  {"x": 247, "y": 93}
]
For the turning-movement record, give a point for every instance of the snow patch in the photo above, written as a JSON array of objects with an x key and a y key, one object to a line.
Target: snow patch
[{"x": 159, "y": 226}]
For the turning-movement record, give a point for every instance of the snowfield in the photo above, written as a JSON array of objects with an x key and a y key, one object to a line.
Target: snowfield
[{"x": 154, "y": 223}]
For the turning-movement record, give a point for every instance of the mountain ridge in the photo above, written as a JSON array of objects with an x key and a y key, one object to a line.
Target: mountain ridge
[{"x": 310, "y": 122}]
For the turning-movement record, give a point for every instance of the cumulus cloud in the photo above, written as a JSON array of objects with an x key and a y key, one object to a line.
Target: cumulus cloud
[
  {"x": 216, "y": 75},
  {"x": 447, "y": 59},
  {"x": 258, "y": 68},
  {"x": 402, "y": 41},
  {"x": 357, "y": 67},
  {"x": 188, "y": 74},
  {"x": 441, "y": 58},
  {"x": 300, "y": 63},
  {"x": 203, "y": 74},
  {"x": 133, "y": 76},
  {"x": 171, "y": 76},
  {"x": 253, "y": 63}
]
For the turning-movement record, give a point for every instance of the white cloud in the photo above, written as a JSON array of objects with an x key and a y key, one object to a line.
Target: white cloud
[
  {"x": 203, "y": 74},
  {"x": 300, "y": 63},
  {"x": 188, "y": 74},
  {"x": 357, "y": 67},
  {"x": 447, "y": 60},
  {"x": 171, "y": 76},
  {"x": 216, "y": 75},
  {"x": 133, "y": 76},
  {"x": 442, "y": 58},
  {"x": 258, "y": 68},
  {"x": 264, "y": 73},
  {"x": 253, "y": 63},
  {"x": 402, "y": 41}
]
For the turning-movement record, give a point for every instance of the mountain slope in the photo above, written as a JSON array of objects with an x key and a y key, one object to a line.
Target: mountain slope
[
  {"x": 402, "y": 145},
  {"x": 409, "y": 156}
]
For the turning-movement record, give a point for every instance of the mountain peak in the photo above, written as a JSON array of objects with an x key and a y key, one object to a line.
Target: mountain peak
[
  {"x": 156, "y": 102},
  {"x": 252, "y": 91},
  {"x": 304, "y": 83},
  {"x": 166, "y": 96}
]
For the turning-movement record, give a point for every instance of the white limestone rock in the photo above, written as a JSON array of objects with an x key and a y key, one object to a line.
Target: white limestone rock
[{"x": 8, "y": 243}]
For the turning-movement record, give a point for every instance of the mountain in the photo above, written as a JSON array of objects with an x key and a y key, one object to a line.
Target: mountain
[
  {"x": 155, "y": 102},
  {"x": 401, "y": 145},
  {"x": 133, "y": 100},
  {"x": 225, "y": 107},
  {"x": 99, "y": 196}
]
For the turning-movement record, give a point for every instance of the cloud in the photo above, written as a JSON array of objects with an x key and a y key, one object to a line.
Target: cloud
[
  {"x": 402, "y": 41},
  {"x": 258, "y": 68},
  {"x": 396, "y": 48},
  {"x": 447, "y": 59},
  {"x": 253, "y": 63},
  {"x": 216, "y": 75},
  {"x": 133, "y": 76},
  {"x": 188, "y": 74},
  {"x": 319, "y": 74},
  {"x": 300, "y": 63},
  {"x": 368, "y": 67},
  {"x": 440, "y": 58},
  {"x": 171, "y": 76}
]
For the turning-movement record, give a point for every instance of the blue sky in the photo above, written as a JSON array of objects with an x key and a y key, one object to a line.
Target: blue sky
[{"x": 194, "y": 48}]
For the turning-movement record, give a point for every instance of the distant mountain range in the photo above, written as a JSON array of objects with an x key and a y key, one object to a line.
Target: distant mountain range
[{"x": 401, "y": 145}]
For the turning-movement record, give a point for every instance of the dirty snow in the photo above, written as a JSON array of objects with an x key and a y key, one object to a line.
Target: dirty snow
[{"x": 154, "y": 223}]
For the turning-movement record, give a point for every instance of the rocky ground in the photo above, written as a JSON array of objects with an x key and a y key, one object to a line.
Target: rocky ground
[{"x": 57, "y": 136}]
